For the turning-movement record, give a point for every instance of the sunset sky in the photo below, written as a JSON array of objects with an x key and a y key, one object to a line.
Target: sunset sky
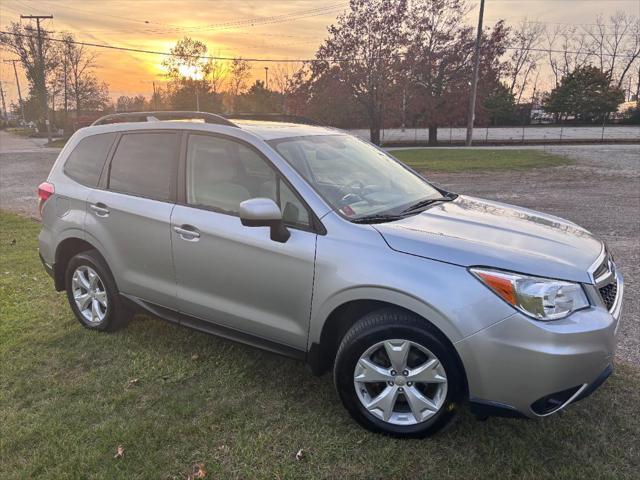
[{"x": 249, "y": 28}]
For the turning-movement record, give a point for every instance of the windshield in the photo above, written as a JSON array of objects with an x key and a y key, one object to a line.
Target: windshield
[{"x": 357, "y": 179}]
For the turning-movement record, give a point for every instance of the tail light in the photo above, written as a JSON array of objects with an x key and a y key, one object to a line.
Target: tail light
[{"x": 45, "y": 190}]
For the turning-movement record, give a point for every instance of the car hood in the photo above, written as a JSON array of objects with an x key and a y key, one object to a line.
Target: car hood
[{"x": 474, "y": 232}]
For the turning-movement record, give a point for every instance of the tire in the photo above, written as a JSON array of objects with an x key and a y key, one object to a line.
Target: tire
[
  {"x": 104, "y": 311},
  {"x": 422, "y": 406}
]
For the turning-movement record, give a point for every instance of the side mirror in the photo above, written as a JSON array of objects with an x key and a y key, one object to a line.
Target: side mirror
[{"x": 264, "y": 212}]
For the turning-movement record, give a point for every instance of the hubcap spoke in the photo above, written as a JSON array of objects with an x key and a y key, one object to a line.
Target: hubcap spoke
[
  {"x": 367, "y": 371},
  {"x": 427, "y": 373},
  {"x": 384, "y": 402},
  {"x": 418, "y": 403},
  {"x": 398, "y": 352},
  {"x": 82, "y": 301},
  {"x": 102, "y": 298}
]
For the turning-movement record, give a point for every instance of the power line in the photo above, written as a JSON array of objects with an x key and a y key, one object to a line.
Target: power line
[{"x": 271, "y": 60}]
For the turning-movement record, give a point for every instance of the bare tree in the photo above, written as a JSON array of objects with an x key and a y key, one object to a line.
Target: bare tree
[
  {"x": 239, "y": 71},
  {"x": 567, "y": 50},
  {"x": 216, "y": 73},
  {"x": 526, "y": 39},
  {"x": 78, "y": 63},
  {"x": 615, "y": 44}
]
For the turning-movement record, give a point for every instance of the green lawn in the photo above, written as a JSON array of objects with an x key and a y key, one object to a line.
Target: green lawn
[
  {"x": 173, "y": 397},
  {"x": 458, "y": 159}
]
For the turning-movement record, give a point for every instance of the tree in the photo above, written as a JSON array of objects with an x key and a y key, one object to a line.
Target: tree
[
  {"x": 362, "y": 52},
  {"x": 586, "y": 93},
  {"x": 439, "y": 61},
  {"x": 194, "y": 79},
  {"x": 239, "y": 72},
  {"x": 524, "y": 58},
  {"x": 131, "y": 104},
  {"x": 615, "y": 45},
  {"x": 500, "y": 105},
  {"x": 80, "y": 82},
  {"x": 258, "y": 99},
  {"x": 22, "y": 41}
]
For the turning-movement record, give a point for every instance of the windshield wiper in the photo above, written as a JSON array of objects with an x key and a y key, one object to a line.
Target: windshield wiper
[
  {"x": 377, "y": 218},
  {"x": 429, "y": 201}
]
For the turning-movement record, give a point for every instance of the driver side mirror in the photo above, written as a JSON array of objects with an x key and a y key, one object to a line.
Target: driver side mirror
[{"x": 264, "y": 212}]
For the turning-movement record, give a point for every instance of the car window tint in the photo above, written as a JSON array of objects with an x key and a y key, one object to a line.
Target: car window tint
[
  {"x": 222, "y": 173},
  {"x": 144, "y": 164},
  {"x": 85, "y": 162}
]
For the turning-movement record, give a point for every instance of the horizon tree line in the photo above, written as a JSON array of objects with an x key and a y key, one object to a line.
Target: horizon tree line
[{"x": 403, "y": 63}]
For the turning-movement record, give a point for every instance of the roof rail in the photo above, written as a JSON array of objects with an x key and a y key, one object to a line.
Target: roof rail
[
  {"x": 272, "y": 117},
  {"x": 158, "y": 116}
]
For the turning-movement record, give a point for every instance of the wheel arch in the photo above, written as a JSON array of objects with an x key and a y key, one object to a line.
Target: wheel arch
[
  {"x": 65, "y": 251},
  {"x": 323, "y": 351}
]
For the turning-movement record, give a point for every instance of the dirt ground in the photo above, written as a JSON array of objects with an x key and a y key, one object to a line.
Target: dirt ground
[{"x": 601, "y": 192}]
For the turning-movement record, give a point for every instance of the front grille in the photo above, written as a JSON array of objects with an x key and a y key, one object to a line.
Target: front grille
[{"x": 609, "y": 293}]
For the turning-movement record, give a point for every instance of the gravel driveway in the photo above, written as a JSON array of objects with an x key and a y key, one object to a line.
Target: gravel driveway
[{"x": 601, "y": 192}]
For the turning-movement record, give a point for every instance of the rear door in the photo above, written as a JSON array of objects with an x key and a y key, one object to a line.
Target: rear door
[{"x": 129, "y": 215}]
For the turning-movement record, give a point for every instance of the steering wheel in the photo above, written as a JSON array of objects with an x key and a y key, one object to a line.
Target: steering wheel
[{"x": 356, "y": 193}]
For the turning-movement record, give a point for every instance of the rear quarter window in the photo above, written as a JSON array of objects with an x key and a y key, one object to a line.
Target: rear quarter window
[{"x": 85, "y": 162}]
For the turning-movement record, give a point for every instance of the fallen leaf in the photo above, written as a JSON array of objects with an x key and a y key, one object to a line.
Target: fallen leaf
[
  {"x": 119, "y": 452},
  {"x": 133, "y": 382},
  {"x": 300, "y": 454},
  {"x": 198, "y": 472}
]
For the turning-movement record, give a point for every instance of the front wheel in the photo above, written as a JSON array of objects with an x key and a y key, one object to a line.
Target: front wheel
[{"x": 395, "y": 375}]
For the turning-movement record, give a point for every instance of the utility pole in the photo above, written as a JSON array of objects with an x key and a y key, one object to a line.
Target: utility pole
[
  {"x": 266, "y": 78},
  {"x": 15, "y": 72},
  {"x": 43, "y": 79},
  {"x": 155, "y": 97},
  {"x": 4, "y": 105},
  {"x": 474, "y": 82}
]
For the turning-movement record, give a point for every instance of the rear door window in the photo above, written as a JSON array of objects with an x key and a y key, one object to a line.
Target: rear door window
[
  {"x": 145, "y": 165},
  {"x": 86, "y": 161}
]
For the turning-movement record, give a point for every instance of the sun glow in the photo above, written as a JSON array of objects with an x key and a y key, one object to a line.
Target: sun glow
[{"x": 190, "y": 71}]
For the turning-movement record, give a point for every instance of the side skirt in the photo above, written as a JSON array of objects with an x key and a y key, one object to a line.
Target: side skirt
[{"x": 212, "y": 328}]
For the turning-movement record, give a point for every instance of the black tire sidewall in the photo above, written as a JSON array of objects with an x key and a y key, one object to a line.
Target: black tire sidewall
[
  {"x": 349, "y": 355},
  {"x": 92, "y": 260}
]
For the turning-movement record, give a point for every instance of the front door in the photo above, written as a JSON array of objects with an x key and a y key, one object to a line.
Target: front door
[{"x": 232, "y": 275}]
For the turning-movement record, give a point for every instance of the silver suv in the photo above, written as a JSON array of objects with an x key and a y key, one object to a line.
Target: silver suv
[{"x": 308, "y": 242}]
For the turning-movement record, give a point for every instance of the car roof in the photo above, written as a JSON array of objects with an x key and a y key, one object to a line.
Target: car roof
[
  {"x": 268, "y": 130},
  {"x": 265, "y": 130}
]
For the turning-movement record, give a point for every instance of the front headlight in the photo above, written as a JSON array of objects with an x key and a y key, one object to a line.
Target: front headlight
[{"x": 540, "y": 298}]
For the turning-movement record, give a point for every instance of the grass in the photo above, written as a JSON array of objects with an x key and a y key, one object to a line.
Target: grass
[
  {"x": 68, "y": 399},
  {"x": 458, "y": 159},
  {"x": 22, "y": 131}
]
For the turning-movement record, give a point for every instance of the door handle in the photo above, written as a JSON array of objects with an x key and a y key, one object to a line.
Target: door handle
[
  {"x": 100, "y": 209},
  {"x": 187, "y": 232}
]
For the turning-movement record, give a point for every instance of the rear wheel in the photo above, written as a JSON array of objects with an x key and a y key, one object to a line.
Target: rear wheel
[
  {"x": 396, "y": 375},
  {"x": 92, "y": 293}
]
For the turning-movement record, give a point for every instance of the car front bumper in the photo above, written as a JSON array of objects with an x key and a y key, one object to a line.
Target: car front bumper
[{"x": 521, "y": 367}]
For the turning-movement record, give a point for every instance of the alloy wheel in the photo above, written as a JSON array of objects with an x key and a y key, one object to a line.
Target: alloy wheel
[
  {"x": 400, "y": 382},
  {"x": 89, "y": 294}
]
